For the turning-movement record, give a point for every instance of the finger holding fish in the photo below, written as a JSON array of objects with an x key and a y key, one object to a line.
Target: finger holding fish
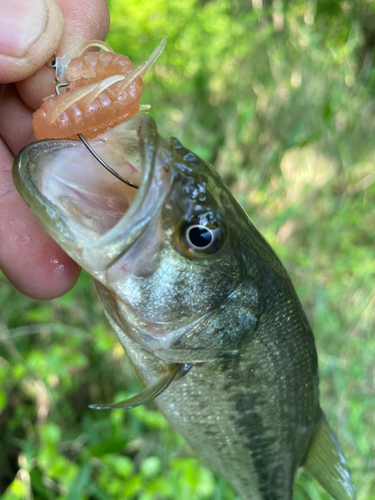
[
  {"x": 41, "y": 269},
  {"x": 82, "y": 21}
]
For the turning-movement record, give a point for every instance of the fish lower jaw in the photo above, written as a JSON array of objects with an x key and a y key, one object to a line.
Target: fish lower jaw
[{"x": 93, "y": 216}]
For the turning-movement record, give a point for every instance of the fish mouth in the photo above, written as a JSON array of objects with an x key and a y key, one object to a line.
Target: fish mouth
[{"x": 93, "y": 216}]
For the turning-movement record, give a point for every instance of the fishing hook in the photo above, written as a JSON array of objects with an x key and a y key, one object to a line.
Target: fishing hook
[
  {"x": 60, "y": 86},
  {"x": 104, "y": 164},
  {"x": 94, "y": 154},
  {"x": 52, "y": 63}
]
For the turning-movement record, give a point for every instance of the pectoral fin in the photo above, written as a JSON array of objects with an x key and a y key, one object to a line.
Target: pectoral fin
[
  {"x": 147, "y": 394},
  {"x": 326, "y": 462}
]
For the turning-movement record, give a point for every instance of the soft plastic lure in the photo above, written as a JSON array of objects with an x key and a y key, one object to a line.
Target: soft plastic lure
[{"x": 102, "y": 89}]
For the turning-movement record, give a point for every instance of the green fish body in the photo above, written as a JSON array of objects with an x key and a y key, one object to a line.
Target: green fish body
[{"x": 204, "y": 309}]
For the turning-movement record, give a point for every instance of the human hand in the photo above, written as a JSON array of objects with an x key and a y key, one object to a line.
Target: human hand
[{"x": 30, "y": 32}]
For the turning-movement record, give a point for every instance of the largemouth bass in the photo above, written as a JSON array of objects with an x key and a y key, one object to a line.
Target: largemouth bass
[{"x": 204, "y": 309}]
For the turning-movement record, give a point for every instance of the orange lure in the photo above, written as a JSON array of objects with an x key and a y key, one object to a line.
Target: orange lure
[{"x": 103, "y": 89}]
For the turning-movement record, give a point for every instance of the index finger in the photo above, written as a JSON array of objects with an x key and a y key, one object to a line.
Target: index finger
[{"x": 84, "y": 20}]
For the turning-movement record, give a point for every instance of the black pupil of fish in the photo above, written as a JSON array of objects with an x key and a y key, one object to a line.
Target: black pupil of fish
[{"x": 199, "y": 236}]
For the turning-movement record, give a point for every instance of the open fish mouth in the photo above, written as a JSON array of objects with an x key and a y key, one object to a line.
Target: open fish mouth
[{"x": 93, "y": 216}]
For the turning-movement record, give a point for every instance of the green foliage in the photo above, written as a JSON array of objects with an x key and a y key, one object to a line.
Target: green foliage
[{"x": 280, "y": 99}]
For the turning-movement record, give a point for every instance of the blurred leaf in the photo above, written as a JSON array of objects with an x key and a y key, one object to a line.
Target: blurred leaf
[{"x": 80, "y": 483}]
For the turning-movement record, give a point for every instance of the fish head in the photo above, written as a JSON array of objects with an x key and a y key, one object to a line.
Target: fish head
[{"x": 168, "y": 256}]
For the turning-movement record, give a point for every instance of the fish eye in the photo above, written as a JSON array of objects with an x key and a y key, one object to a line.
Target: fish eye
[{"x": 201, "y": 239}]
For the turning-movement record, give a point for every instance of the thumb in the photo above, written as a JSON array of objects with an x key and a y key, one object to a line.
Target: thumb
[{"x": 30, "y": 32}]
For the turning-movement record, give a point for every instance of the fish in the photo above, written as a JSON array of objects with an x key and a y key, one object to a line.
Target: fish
[{"x": 201, "y": 304}]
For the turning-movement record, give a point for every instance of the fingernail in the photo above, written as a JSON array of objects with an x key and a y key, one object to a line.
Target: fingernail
[{"x": 21, "y": 23}]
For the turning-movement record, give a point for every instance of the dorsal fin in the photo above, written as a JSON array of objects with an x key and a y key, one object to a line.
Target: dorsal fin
[
  {"x": 326, "y": 462},
  {"x": 146, "y": 395}
]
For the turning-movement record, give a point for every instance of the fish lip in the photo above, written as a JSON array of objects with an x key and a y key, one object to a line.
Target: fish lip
[{"x": 105, "y": 249}]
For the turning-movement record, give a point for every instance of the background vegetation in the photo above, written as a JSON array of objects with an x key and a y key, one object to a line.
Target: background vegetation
[{"x": 279, "y": 96}]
